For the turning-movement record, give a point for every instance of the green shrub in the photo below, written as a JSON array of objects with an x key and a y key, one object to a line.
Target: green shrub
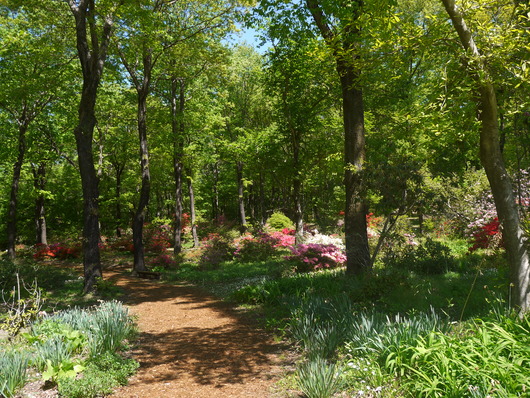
[
  {"x": 278, "y": 221},
  {"x": 13, "y": 374},
  {"x": 429, "y": 258}
]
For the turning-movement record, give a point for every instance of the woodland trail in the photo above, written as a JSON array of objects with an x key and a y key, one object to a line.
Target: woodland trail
[{"x": 193, "y": 345}]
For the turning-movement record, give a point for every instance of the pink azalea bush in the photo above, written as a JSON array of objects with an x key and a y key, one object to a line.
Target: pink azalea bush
[
  {"x": 163, "y": 260},
  {"x": 215, "y": 249},
  {"x": 256, "y": 248},
  {"x": 314, "y": 256}
]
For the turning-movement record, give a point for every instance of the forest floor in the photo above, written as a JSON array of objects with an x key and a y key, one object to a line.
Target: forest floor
[{"x": 193, "y": 345}]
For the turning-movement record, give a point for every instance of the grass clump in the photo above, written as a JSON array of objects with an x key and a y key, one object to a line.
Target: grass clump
[
  {"x": 13, "y": 371},
  {"x": 318, "y": 378}
]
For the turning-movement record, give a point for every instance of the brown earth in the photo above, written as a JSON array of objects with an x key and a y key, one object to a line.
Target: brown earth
[{"x": 193, "y": 345}]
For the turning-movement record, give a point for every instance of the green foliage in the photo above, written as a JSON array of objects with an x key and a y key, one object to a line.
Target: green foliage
[
  {"x": 66, "y": 369},
  {"x": 52, "y": 354},
  {"x": 278, "y": 221},
  {"x": 318, "y": 378},
  {"x": 430, "y": 257},
  {"x": 13, "y": 373},
  {"x": 320, "y": 325},
  {"x": 485, "y": 357},
  {"x": 101, "y": 375}
]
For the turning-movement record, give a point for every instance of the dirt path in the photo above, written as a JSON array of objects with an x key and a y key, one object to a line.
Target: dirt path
[{"x": 192, "y": 345}]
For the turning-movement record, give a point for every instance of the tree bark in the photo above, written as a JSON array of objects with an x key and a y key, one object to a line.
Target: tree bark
[
  {"x": 297, "y": 188},
  {"x": 13, "y": 197},
  {"x": 177, "y": 129},
  {"x": 141, "y": 210},
  {"x": 193, "y": 218},
  {"x": 357, "y": 249},
  {"x": 119, "y": 171},
  {"x": 92, "y": 56},
  {"x": 493, "y": 163},
  {"x": 215, "y": 199},
  {"x": 241, "y": 195},
  {"x": 39, "y": 182}
]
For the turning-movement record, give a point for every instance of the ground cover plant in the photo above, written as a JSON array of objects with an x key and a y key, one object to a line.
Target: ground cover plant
[
  {"x": 79, "y": 350},
  {"x": 63, "y": 347}
]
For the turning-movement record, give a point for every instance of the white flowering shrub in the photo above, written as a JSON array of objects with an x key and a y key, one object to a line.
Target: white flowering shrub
[{"x": 321, "y": 239}]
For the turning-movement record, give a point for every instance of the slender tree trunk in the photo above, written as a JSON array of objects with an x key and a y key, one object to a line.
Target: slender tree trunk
[
  {"x": 297, "y": 189},
  {"x": 39, "y": 182},
  {"x": 493, "y": 163},
  {"x": 241, "y": 196},
  {"x": 13, "y": 198},
  {"x": 119, "y": 172},
  {"x": 139, "y": 217},
  {"x": 193, "y": 212},
  {"x": 261, "y": 200},
  {"x": 177, "y": 128},
  {"x": 215, "y": 199}
]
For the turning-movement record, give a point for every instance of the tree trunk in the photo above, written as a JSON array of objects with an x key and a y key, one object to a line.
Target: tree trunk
[
  {"x": 357, "y": 250},
  {"x": 139, "y": 217},
  {"x": 119, "y": 172},
  {"x": 39, "y": 182},
  {"x": 92, "y": 55},
  {"x": 297, "y": 188},
  {"x": 262, "y": 214},
  {"x": 344, "y": 50},
  {"x": 13, "y": 198},
  {"x": 177, "y": 129},
  {"x": 241, "y": 196},
  {"x": 193, "y": 215},
  {"x": 215, "y": 199},
  {"x": 493, "y": 163}
]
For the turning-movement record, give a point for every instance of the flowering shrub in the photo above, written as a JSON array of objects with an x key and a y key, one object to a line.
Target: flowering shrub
[
  {"x": 122, "y": 244},
  {"x": 215, "y": 250},
  {"x": 258, "y": 248},
  {"x": 317, "y": 238},
  {"x": 487, "y": 236},
  {"x": 283, "y": 239},
  {"x": 314, "y": 256},
  {"x": 157, "y": 238},
  {"x": 61, "y": 251},
  {"x": 163, "y": 260}
]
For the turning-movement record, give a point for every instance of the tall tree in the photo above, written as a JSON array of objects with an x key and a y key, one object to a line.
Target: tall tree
[
  {"x": 344, "y": 40},
  {"x": 93, "y": 27},
  {"x": 492, "y": 159}
]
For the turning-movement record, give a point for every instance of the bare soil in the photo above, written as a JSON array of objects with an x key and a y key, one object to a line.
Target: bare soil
[{"x": 193, "y": 345}]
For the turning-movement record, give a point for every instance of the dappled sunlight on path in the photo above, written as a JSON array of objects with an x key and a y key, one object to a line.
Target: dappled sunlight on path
[{"x": 192, "y": 345}]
